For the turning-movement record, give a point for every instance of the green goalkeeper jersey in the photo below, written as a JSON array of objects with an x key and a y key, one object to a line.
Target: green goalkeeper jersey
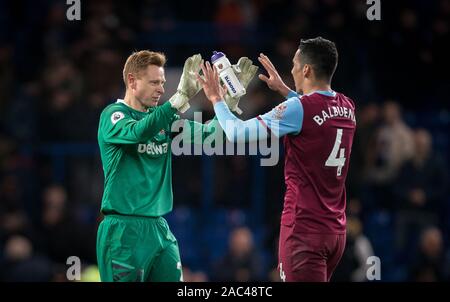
[{"x": 135, "y": 148}]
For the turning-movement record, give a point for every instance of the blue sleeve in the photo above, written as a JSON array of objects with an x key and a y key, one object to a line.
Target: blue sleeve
[
  {"x": 292, "y": 94},
  {"x": 236, "y": 129},
  {"x": 286, "y": 118}
]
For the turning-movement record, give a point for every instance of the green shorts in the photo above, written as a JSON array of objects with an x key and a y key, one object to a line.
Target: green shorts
[{"x": 137, "y": 249}]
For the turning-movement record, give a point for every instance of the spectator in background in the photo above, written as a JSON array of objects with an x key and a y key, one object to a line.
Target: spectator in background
[
  {"x": 193, "y": 276},
  {"x": 232, "y": 19},
  {"x": 13, "y": 217},
  {"x": 62, "y": 235},
  {"x": 394, "y": 145},
  {"x": 429, "y": 263},
  {"x": 20, "y": 263},
  {"x": 20, "y": 116},
  {"x": 13, "y": 222},
  {"x": 63, "y": 84},
  {"x": 367, "y": 120},
  {"x": 242, "y": 262},
  {"x": 420, "y": 189},
  {"x": 353, "y": 266}
]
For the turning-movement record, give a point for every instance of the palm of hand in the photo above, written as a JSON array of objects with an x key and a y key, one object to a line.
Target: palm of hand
[
  {"x": 189, "y": 85},
  {"x": 245, "y": 71}
]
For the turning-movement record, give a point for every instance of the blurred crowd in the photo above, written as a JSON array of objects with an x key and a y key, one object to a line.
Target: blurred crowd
[{"x": 56, "y": 76}]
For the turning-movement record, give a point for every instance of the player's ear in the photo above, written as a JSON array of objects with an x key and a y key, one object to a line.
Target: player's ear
[
  {"x": 131, "y": 79},
  {"x": 307, "y": 71}
]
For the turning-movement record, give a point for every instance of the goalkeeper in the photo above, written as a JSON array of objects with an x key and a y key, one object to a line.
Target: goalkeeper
[{"x": 134, "y": 242}]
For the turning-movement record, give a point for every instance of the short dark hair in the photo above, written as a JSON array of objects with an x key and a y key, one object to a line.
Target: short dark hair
[{"x": 321, "y": 54}]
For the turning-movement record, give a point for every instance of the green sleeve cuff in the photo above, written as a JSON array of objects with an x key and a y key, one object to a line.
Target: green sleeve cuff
[{"x": 167, "y": 106}]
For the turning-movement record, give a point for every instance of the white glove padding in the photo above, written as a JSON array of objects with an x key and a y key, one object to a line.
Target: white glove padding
[
  {"x": 188, "y": 86},
  {"x": 245, "y": 71}
]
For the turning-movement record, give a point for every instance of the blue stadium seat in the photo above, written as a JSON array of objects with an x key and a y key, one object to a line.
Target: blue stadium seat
[
  {"x": 379, "y": 229},
  {"x": 183, "y": 222}
]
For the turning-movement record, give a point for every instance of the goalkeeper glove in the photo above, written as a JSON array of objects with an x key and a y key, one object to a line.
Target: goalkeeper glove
[
  {"x": 188, "y": 86},
  {"x": 245, "y": 71}
]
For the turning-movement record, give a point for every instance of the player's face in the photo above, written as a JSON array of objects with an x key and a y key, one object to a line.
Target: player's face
[
  {"x": 297, "y": 72},
  {"x": 150, "y": 86}
]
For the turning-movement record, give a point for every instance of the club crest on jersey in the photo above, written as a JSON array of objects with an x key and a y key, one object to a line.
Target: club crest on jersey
[
  {"x": 117, "y": 116},
  {"x": 162, "y": 132},
  {"x": 279, "y": 111}
]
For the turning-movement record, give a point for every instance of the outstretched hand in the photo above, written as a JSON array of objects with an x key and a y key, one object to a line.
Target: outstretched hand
[
  {"x": 188, "y": 86},
  {"x": 274, "y": 80},
  {"x": 211, "y": 84},
  {"x": 245, "y": 71}
]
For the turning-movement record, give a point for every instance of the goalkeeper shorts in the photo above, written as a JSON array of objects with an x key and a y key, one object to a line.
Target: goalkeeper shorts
[{"x": 137, "y": 249}]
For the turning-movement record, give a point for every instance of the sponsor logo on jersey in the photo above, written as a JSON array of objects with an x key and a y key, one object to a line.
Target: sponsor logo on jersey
[
  {"x": 117, "y": 116},
  {"x": 279, "y": 111},
  {"x": 153, "y": 149}
]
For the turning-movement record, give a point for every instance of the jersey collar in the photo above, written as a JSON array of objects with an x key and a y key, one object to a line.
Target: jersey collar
[
  {"x": 323, "y": 92},
  {"x": 123, "y": 102}
]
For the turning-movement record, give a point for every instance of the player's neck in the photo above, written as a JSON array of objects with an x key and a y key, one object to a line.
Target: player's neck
[
  {"x": 318, "y": 86},
  {"x": 131, "y": 101}
]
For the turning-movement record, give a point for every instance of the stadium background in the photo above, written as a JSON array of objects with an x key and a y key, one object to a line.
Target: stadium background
[{"x": 57, "y": 75}]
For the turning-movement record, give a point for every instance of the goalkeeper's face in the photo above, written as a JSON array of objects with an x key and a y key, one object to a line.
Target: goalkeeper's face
[{"x": 149, "y": 86}]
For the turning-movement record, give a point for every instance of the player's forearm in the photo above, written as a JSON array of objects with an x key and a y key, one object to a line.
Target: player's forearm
[
  {"x": 194, "y": 132},
  {"x": 149, "y": 126},
  {"x": 237, "y": 130},
  {"x": 284, "y": 90}
]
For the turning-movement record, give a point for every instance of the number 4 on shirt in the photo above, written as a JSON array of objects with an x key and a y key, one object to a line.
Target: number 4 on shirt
[{"x": 333, "y": 159}]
